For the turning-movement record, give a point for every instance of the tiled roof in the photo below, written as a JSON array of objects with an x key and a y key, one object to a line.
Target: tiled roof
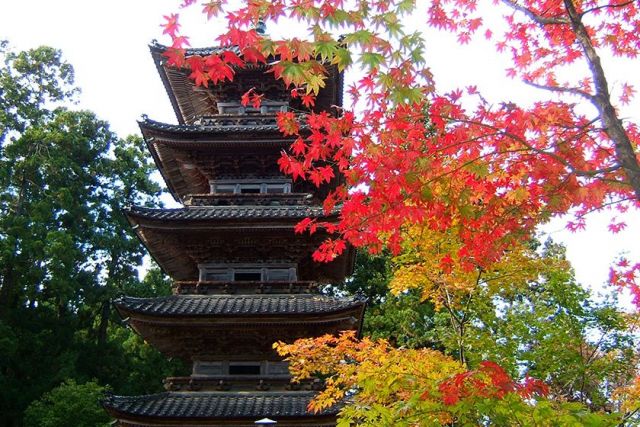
[
  {"x": 238, "y": 305},
  {"x": 216, "y": 405},
  {"x": 188, "y": 108},
  {"x": 202, "y": 51},
  {"x": 227, "y": 212},
  {"x": 147, "y": 123}
]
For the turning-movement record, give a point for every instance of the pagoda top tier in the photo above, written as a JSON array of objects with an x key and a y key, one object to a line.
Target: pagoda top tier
[{"x": 191, "y": 102}]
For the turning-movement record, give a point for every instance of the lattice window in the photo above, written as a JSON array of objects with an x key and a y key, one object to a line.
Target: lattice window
[
  {"x": 248, "y": 272},
  {"x": 250, "y": 187},
  {"x": 231, "y": 367}
]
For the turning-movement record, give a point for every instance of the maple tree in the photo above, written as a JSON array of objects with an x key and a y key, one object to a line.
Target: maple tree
[
  {"x": 475, "y": 178},
  {"x": 490, "y": 172},
  {"x": 409, "y": 387},
  {"x": 527, "y": 313}
]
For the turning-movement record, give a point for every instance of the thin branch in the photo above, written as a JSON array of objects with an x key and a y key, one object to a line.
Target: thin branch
[
  {"x": 570, "y": 90},
  {"x": 577, "y": 172},
  {"x": 604, "y": 205},
  {"x": 628, "y": 416},
  {"x": 607, "y": 6},
  {"x": 537, "y": 18}
]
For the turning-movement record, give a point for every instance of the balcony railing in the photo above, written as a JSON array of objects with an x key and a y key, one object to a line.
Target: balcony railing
[
  {"x": 249, "y": 199},
  {"x": 250, "y": 287}
]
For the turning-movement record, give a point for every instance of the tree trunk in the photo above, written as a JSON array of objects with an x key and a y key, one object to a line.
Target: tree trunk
[
  {"x": 624, "y": 153},
  {"x": 105, "y": 313}
]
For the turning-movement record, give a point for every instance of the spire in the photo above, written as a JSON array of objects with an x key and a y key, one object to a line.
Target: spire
[{"x": 261, "y": 27}]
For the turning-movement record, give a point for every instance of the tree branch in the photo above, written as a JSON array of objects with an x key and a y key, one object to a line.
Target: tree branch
[
  {"x": 607, "y": 6},
  {"x": 537, "y": 18},
  {"x": 570, "y": 90},
  {"x": 529, "y": 147},
  {"x": 625, "y": 153}
]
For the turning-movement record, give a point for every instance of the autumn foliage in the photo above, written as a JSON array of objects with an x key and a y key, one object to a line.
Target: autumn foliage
[
  {"x": 452, "y": 183},
  {"x": 448, "y": 161},
  {"x": 404, "y": 387}
]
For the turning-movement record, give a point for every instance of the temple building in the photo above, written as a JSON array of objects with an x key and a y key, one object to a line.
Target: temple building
[{"x": 242, "y": 278}]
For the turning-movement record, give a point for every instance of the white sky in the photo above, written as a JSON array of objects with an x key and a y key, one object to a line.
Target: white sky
[{"x": 107, "y": 43}]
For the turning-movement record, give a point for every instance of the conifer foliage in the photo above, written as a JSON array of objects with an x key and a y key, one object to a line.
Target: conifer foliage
[{"x": 66, "y": 251}]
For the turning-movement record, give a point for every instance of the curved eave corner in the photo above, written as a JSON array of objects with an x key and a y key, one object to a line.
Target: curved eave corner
[
  {"x": 156, "y": 159},
  {"x": 135, "y": 225},
  {"x": 157, "y": 51}
]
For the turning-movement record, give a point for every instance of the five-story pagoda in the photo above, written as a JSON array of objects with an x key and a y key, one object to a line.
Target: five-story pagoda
[{"x": 242, "y": 278}]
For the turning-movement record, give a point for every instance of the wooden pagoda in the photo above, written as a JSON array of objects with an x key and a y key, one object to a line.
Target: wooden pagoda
[{"x": 242, "y": 278}]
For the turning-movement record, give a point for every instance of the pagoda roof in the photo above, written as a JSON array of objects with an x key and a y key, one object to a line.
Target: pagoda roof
[
  {"x": 216, "y": 327},
  {"x": 246, "y": 124},
  {"x": 226, "y": 212},
  {"x": 181, "y": 239},
  {"x": 191, "y": 102},
  {"x": 190, "y": 156},
  {"x": 236, "y": 305},
  {"x": 187, "y": 155},
  {"x": 182, "y": 406}
]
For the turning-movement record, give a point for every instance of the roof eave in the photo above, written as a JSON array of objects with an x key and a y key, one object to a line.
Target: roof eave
[
  {"x": 157, "y": 51},
  {"x": 354, "y": 306},
  {"x": 156, "y": 159}
]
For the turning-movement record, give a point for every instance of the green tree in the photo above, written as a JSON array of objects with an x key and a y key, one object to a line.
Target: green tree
[
  {"x": 404, "y": 319},
  {"x": 370, "y": 277},
  {"x": 69, "y": 404},
  {"x": 32, "y": 82},
  {"x": 65, "y": 248},
  {"x": 553, "y": 329}
]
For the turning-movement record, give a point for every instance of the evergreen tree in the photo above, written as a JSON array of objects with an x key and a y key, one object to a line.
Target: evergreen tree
[{"x": 66, "y": 250}]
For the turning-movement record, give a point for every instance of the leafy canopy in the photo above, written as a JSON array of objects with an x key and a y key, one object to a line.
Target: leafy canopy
[
  {"x": 455, "y": 186},
  {"x": 410, "y": 154},
  {"x": 65, "y": 249},
  {"x": 69, "y": 404}
]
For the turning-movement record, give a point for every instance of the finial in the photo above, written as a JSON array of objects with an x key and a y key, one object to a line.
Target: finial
[{"x": 261, "y": 27}]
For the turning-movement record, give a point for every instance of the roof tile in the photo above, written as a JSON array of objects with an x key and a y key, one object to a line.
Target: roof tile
[
  {"x": 216, "y": 405},
  {"x": 213, "y": 305},
  {"x": 222, "y": 212}
]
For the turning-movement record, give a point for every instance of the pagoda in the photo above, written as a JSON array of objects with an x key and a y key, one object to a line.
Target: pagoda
[{"x": 243, "y": 279}]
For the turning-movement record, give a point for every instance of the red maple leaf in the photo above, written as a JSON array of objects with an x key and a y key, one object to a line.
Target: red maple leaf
[
  {"x": 171, "y": 26},
  {"x": 253, "y": 55},
  {"x": 232, "y": 59},
  {"x": 211, "y": 8},
  {"x": 175, "y": 57},
  {"x": 287, "y": 123},
  {"x": 308, "y": 100},
  {"x": 246, "y": 97}
]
